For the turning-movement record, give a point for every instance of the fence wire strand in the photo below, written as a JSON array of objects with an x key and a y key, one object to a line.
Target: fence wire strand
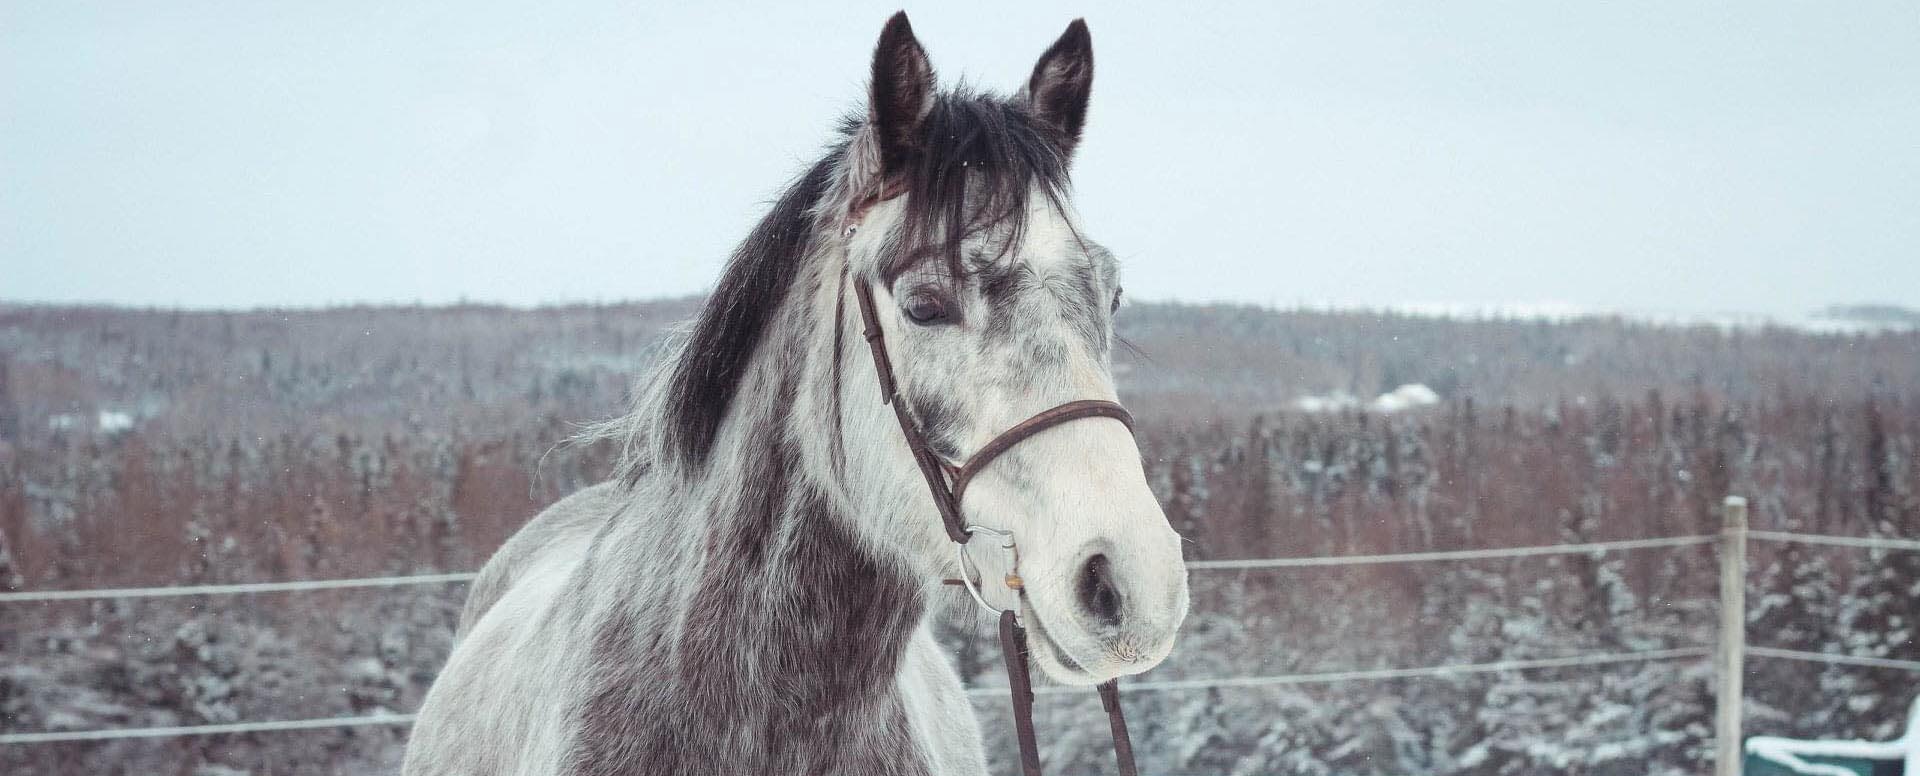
[
  {"x": 235, "y": 589},
  {"x": 1375, "y": 674},
  {"x": 1447, "y": 555},
  {"x": 1824, "y": 657},
  {"x": 1866, "y": 542},
  {"x": 1324, "y": 677},
  {"x": 204, "y": 730}
]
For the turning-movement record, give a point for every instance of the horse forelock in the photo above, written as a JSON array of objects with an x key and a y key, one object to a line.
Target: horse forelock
[{"x": 983, "y": 160}]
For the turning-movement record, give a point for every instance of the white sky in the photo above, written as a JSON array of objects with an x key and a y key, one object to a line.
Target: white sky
[{"x": 1649, "y": 156}]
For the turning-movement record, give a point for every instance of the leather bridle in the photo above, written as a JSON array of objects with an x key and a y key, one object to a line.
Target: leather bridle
[{"x": 948, "y": 483}]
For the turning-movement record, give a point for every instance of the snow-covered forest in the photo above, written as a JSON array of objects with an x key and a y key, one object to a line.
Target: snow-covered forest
[{"x": 146, "y": 447}]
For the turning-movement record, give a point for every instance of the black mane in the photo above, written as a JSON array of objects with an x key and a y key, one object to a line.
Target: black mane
[{"x": 978, "y": 159}]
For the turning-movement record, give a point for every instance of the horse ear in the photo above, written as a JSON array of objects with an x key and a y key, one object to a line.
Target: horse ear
[
  {"x": 901, "y": 94},
  {"x": 1061, "y": 82}
]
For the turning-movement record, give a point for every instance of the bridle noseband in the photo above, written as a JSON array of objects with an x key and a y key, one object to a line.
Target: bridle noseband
[{"x": 948, "y": 483}]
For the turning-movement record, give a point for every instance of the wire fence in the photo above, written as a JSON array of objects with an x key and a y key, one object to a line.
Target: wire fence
[
  {"x": 1379, "y": 674},
  {"x": 989, "y": 692},
  {"x": 1201, "y": 565},
  {"x": 1324, "y": 677}
]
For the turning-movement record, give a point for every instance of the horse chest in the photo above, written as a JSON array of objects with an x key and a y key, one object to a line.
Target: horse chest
[
  {"x": 762, "y": 674},
  {"x": 726, "y": 727}
]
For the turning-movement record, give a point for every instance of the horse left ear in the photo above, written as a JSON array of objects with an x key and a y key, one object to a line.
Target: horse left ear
[
  {"x": 898, "y": 100},
  {"x": 901, "y": 93},
  {"x": 1061, "y": 82}
]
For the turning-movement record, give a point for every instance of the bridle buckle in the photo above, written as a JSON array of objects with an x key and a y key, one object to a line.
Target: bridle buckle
[{"x": 967, "y": 567}]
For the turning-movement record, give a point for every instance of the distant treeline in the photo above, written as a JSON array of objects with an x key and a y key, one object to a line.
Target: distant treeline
[{"x": 157, "y": 447}]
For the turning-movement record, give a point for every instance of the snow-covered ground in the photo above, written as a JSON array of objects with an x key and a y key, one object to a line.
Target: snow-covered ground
[
  {"x": 1838, "y": 319},
  {"x": 1790, "y": 753},
  {"x": 1406, "y": 397},
  {"x": 105, "y": 421}
]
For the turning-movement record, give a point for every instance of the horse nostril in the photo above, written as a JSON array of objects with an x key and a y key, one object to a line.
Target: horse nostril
[{"x": 1098, "y": 593}]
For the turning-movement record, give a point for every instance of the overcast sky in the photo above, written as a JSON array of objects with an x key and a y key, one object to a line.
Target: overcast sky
[{"x": 1644, "y": 156}]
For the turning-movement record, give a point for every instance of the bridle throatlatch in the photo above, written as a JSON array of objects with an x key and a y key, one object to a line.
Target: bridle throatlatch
[{"x": 947, "y": 484}]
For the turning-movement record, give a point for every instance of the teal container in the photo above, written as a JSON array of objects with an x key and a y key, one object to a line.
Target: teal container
[{"x": 1755, "y": 765}]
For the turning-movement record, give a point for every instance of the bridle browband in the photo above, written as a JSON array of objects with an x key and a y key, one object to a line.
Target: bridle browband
[{"x": 948, "y": 483}]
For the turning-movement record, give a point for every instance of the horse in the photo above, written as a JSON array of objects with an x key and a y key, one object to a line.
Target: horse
[{"x": 750, "y": 592}]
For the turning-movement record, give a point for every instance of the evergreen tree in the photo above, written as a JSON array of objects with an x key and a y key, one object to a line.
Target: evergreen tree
[
  {"x": 1795, "y": 607},
  {"x": 1880, "y": 611}
]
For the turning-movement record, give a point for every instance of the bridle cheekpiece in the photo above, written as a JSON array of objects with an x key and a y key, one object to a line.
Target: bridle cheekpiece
[{"x": 948, "y": 483}]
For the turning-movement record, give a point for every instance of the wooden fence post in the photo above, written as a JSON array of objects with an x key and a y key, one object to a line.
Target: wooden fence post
[{"x": 1730, "y": 660}]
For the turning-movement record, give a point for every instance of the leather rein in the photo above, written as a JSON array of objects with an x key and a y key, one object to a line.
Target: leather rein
[{"x": 947, "y": 484}]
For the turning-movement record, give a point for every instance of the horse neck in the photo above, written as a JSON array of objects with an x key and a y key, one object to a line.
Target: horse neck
[
  {"x": 775, "y": 523},
  {"x": 755, "y": 608},
  {"x": 862, "y": 458}
]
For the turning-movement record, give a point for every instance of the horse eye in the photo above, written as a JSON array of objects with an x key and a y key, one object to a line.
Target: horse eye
[
  {"x": 925, "y": 307},
  {"x": 1116, "y": 301}
]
